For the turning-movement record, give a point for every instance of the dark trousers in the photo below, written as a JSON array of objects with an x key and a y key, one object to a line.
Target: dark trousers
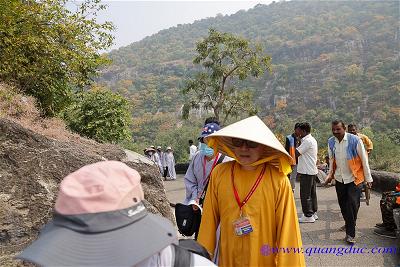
[
  {"x": 165, "y": 172},
  {"x": 349, "y": 201},
  {"x": 387, "y": 207},
  {"x": 308, "y": 194}
]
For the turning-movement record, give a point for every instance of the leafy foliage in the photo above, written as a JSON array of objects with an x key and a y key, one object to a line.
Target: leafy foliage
[
  {"x": 385, "y": 154},
  {"x": 100, "y": 114},
  {"x": 49, "y": 51},
  {"x": 225, "y": 58}
]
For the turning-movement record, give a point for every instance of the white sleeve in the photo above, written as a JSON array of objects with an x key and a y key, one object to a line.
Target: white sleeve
[
  {"x": 331, "y": 172},
  {"x": 198, "y": 261},
  {"x": 163, "y": 258},
  {"x": 364, "y": 159},
  {"x": 304, "y": 146}
]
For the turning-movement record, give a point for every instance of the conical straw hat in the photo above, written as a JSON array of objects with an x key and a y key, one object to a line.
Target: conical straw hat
[{"x": 252, "y": 129}]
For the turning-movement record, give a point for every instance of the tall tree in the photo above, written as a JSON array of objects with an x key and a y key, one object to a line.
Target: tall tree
[
  {"x": 226, "y": 59},
  {"x": 48, "y": 50}
]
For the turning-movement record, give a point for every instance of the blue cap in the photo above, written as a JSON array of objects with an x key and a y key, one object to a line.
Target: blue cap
[{"x": 208, "y": 129}]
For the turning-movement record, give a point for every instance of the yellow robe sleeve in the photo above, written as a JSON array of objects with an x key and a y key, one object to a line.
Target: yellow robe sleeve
[
  {"x": 210, "y": 216},
  {"x": 287, "y": 227}
]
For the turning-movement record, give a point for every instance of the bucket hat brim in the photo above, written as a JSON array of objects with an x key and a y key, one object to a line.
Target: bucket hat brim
[{"x": 125, "y": 246}]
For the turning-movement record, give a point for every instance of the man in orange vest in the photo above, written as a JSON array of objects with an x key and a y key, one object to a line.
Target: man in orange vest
[{"x": 348, "y": 165}]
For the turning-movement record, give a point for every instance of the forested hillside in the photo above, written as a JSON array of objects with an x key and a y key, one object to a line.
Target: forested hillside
[{"x": 331, "y": 59}]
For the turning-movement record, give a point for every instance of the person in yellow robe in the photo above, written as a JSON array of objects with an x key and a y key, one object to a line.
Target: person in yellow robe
[{"x": 251, "y": 200}]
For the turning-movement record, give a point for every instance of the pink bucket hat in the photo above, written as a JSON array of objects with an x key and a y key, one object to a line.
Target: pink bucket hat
[{"x": 100, "y": 220}]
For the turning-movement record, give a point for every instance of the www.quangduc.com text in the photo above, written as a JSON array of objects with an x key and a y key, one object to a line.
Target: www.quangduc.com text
[{"x": 267, "y": 250}]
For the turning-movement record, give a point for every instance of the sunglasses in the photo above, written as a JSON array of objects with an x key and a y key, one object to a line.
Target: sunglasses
[{"x": 240, "y": 142}]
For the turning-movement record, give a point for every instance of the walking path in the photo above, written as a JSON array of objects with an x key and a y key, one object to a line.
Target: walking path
[{"x": 325, "y": 234}]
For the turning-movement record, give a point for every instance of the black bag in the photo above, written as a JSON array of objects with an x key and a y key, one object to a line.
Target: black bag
[{"x": 187, "y": 219}]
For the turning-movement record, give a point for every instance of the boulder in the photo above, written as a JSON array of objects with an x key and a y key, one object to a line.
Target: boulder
[
  {"x": 31, "y": 167},
  {"x": 384, "y": 181},
  {"x": 181, "y": 168}
]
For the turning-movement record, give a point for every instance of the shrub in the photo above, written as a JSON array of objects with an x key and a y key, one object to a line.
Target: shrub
[{"x": 100, "y": 114}]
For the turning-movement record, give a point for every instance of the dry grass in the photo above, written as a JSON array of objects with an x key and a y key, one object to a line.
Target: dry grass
[{"x": 23, "y": 110}]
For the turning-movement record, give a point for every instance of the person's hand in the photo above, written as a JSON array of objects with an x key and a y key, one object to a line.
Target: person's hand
[
  {"x": 328, "y": 179},
  {"x": 369, "y": 185},
  {"x": 194, "y": 206}
]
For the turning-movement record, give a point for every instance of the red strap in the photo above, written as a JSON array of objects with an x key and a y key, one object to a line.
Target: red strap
[
  {"x": 253, "y": 188},
  {"x": 206, "y": 178}
]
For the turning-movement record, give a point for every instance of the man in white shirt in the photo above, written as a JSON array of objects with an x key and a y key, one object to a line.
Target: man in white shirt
[
  {"x": 307, "y": 170},
  {"x": 348, "y": 165}
]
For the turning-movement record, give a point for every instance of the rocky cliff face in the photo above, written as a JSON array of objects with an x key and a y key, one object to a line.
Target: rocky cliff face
[{"x": 31, "y": 167}]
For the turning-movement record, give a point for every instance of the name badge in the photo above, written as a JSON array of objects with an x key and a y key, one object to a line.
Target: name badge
[{"x": 242, "y": 226}]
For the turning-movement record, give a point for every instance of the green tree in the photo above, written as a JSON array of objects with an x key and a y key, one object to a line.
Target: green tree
[
  {"x": 178, "y": 138},
  {"x": 49, "y": 51},
  {"x": 385, "y": 154},
  {"x": 100, "y": 114},
  {"x": 226, "y": 59}
]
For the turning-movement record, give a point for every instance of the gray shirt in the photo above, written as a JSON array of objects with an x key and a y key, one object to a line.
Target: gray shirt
[{"x": 196, "y": 175}]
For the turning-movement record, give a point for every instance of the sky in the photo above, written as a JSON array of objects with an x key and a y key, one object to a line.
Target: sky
[{"x": 134, "y": 20}]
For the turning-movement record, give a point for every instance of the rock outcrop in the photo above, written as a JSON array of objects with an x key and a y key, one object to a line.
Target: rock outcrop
[
  {"x": 384, "y": 181},
  {"x": 31, "y": 167}
]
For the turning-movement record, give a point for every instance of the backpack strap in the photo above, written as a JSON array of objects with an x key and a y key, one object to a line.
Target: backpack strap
[
  {"x": 182, "y": 256},
  {"x": 194, "y": 247}
]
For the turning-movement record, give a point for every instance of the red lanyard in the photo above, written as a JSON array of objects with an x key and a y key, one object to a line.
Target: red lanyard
[
  {"x": 256, "y": 183},
  {"x": 205, "y": 178}
]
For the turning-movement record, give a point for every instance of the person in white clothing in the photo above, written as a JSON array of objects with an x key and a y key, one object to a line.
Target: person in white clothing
[
  {"x": 161, "y": 156},
  {"x": 169, "y": 161},
  {"x": 307, "y": 154},
  {"x": 192, "y": 150},
  {"x": 157, "y": 160}
]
